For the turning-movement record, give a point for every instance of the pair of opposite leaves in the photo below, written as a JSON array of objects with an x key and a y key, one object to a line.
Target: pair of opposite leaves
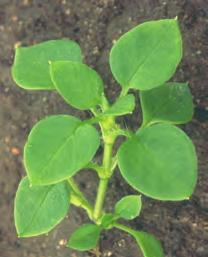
[
  {"x": 54, "y": 200},
  {"x": 86, "y": 237},
  {"x": 144, "y": 58}
]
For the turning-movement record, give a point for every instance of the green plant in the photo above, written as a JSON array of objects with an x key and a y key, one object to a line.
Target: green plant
[{"x": 158, "y": 160}]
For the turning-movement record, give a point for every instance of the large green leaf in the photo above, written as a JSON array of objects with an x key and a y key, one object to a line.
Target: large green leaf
[
  {"x": 57, "y": 148},
  {"x": 85, "y": 237},
  {"x": 31, "y": 64},
  {"x": 149, "y": 245},
  {"x": 38, "y": 209},
  {"x": 171, "y": 102},
  {"x": 128, "y": 207},
  {"x": 160, "y": 162},
  {"x": 77, "y": 83},
  {"x": 147, "y": 56},
  {"x": 122, "y": 106}
]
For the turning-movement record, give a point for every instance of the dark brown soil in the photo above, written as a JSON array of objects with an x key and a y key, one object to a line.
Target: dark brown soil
[{"x": 95, "y": 24}]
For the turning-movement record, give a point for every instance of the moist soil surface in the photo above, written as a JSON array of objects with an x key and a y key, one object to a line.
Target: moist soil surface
[{"x": 182, "y": 227}]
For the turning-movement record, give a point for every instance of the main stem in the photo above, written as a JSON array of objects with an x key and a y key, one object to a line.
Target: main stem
[
  {"x": 107, "y": 163},
  {"x": 103, "y": 184}
]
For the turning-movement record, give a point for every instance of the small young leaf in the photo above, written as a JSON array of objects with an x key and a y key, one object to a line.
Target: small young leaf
[
  {"x": 108, "y": 220},
  {"x": 170, "y": 103},
  {"x": 77, "y": 83},
  {"x": 128, "y": 207},
  {"x": 58, "y": 147},
  {"x": 31, "y": 64},
  {"x": 122, "y": 106},
  {"x": 147, "y": 56},
  {"x": 38, "y": 209},
  {"x": 149, "y": 245},
  {"x": 85, "y": 237},
  {"x": 160, "y": 162}
]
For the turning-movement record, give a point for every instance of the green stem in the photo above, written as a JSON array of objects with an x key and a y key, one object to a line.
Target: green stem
[
  {"x": 79, "y": 198},
  {"x": 124, "y": 91},
  {"x": 107, "y": 158},
  {"x": 107, "y": 169},
  {"x": 100, "y": 198},
  {"x": 124, "y": 228}
]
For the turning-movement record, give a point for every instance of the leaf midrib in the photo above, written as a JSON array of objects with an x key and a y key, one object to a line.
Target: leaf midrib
[
  {"x": 145, "y": 59},
  {"x": 56, "y": 152},
  {"x": 37, "y": 210}
]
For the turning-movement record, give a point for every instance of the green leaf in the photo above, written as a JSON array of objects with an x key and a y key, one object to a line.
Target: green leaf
[
  {"x": 38, "y": 209},
  {"x": 160, "y": 162},
  {"x": 77, "y": 83},
  {"x": 31, "y": 64},
  {"x": 122, "y": 106},
  {"x": 149, "y": 245},
  {"x": 58, "y": 147},
  {"x": 107, "y": 220},
  {"x": 147, "y": 56},
  {"x": 170, "y": 103},
  {"x": 128, "y": 207},
  {"x": 85, "y": 237}
]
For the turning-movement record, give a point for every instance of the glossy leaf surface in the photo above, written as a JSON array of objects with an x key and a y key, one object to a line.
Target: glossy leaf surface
[
  {"x": 122, "y": 106},
  {"x": 170, "y": 103},
  {"x": 147, "y": 56},
  {"x": 85, "y": 237},
  {"x": 57, "y": 148},
  {"x": 160, "y": 162},
  {"x": 31, "y": 64},
  {"x": 38, "y": 209},
  {"x": 77, "y": 83},
  {"x": 128, "y": 207}
]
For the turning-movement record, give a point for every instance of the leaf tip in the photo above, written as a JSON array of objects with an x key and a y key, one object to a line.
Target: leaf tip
[{"x": 176, "y": 18}]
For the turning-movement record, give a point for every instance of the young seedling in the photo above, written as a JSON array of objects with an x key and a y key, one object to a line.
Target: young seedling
[{"x": 158, "y": 160}]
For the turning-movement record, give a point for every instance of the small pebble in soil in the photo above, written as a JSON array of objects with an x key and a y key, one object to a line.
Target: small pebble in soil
[
  {"x": 67, "y": 12},
  {"x": 15, "y": 151},
  {"x": 6, "y": 140},
  {"x": 17, "y": 44},
  {"x": 14, "y": 18},
  {"x": 121, "y": 243},
  {"x": 62, "y": 242},
  {"x": 25, "y": 2},
  {"x": 108, "y": 254}
]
